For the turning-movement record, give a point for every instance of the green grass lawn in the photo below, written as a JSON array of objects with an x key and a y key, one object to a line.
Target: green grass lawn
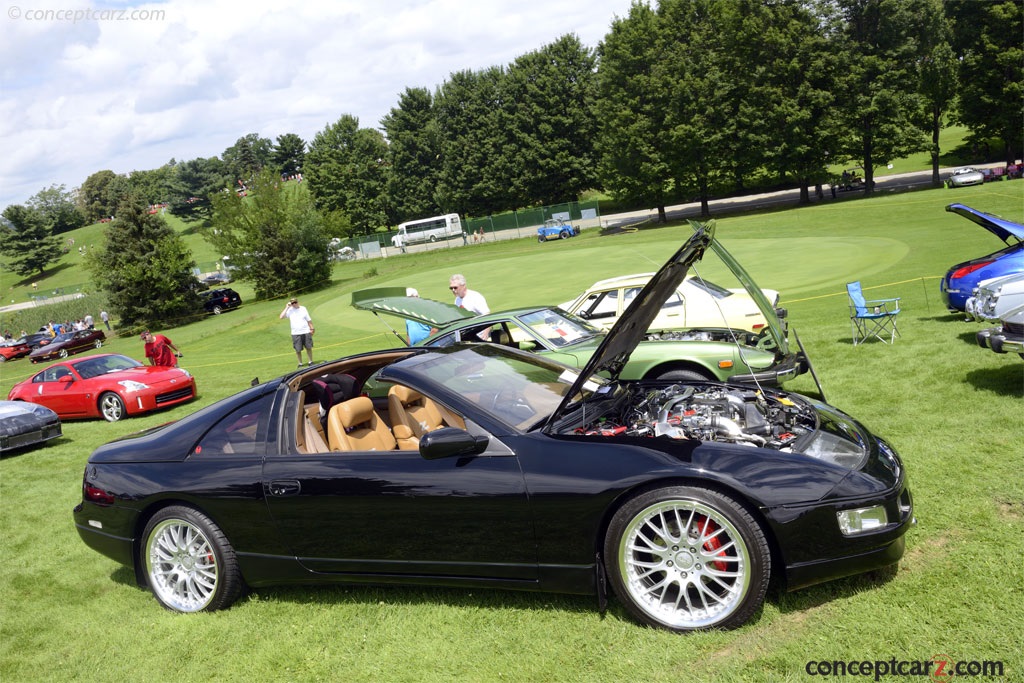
[{"x": 953, "y": 411}]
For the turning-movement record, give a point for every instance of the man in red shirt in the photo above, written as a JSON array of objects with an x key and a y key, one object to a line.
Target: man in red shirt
[{"x": 160, "y": 350}]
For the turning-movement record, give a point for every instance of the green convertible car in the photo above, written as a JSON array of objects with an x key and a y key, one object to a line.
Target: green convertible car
[{"x": 713, "y": 354}]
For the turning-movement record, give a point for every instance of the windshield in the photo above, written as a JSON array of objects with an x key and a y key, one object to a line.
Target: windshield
[
  {"x": 558, "y": 328},
  {"x": 95, "y": 366},
  {"x": 519, "y": 390}
]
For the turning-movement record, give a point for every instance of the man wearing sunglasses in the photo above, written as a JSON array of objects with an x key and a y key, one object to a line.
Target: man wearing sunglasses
[{"x": 467, "y": 298}]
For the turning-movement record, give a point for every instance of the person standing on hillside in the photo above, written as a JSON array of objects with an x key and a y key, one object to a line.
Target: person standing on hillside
[
  {"x": 160, "y": 350},
  {"x": 302, "y": 329}
]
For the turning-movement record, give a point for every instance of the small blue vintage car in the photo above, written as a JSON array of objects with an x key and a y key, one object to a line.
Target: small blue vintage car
[{"x": 556, "y": 229}]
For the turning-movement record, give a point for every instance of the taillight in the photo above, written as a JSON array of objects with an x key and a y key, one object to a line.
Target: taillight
[
  {"x": 967, "y": 270},
  {"x": 96, "y": 495}
]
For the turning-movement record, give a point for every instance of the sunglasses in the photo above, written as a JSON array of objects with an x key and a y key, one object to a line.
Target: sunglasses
[{"x": 454, "y": 288}]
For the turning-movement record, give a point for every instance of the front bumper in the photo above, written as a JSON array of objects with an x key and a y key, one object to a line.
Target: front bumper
[{"x": 998, "y": 340}]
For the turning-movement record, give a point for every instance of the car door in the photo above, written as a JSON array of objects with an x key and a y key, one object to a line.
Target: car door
[
  {"x": 60, "y": 390},
  {"x": 396, "y": 513}
]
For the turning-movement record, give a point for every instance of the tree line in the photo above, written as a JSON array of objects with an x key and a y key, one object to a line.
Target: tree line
[{"x": 683, "y": 100}]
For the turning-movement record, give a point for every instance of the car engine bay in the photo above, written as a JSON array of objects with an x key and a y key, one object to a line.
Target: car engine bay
[{"x": 710, "y": 412}]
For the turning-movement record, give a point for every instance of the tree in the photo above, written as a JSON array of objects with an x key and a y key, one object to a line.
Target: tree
[
  {"x": 247, "y": 157},
  {"x": 631, "y": 113},
  {"x": 100, "y": 194},
  {"x": 414, "y": 154},
  {"x": 701, "y": 101},
  {"x": 987, "y": 37},
  {"x": 475, "y": 177},
  {"x": 58, "y": 208},
  {"x": 274, "y": 237},
  {"x": 28, "y": 241},
  {"x": 144, "y": 268},
  {"x": 938, "y": 87},
  {"x": 786, "y": 121},
  {"x": 289, "y": 154},
  {"x": 153, "y": 186},
  {"x": 346, "y": 171},
  {"x": 548, "y": 97},
  {"x": 193, "y": 184},
  {"x": 879, "y": 43}
]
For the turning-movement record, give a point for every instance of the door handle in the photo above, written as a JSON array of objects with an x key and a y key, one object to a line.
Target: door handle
[{"x": 284, "y": 487}]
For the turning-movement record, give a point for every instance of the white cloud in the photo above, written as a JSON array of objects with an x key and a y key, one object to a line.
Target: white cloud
[{"x": 83, "y": 94}]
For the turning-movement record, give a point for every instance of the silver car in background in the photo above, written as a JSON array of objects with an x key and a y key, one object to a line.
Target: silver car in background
[{"x": 962, "y": 177}]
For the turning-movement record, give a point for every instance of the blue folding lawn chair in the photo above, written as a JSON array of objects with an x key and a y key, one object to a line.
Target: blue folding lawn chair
[{"x": 872, "y": 318}]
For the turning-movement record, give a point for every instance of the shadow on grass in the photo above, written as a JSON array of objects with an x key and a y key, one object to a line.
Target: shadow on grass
[
  {"x": 822, "y": 594},
  {"x": 1007, "y": 379},
  {"x": 526, "y": 601},
  {"x": 48, "y": 273}
]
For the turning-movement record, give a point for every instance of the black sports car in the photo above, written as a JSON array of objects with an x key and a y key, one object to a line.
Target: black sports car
[
  {"x": 26, "y": 424},
  {"x": 485, "y": 466}
]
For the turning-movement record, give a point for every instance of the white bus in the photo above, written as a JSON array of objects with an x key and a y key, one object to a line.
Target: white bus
[{"x": 428, "y": 230}]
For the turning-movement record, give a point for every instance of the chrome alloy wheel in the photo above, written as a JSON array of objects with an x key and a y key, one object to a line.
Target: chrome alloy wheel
[
  {"x": 684, "y": 564},
  {"x": 181, "y": 565}
]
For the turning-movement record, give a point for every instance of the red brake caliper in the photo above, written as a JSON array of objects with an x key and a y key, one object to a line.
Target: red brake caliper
[{"x": 706, "y": 526}]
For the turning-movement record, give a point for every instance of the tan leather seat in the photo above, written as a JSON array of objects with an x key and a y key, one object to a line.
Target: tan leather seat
[
  {"x": 355, "y": 426},
  {"x": 414, "y": 410}
]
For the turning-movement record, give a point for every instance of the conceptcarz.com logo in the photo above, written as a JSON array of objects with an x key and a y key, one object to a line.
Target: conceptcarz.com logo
[{"x": 940, "y": 668}]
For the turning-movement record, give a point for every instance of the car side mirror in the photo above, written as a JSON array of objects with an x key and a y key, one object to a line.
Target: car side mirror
[
  {"x": 528, "y": 345},
  {"x": 66, "y": 379},
  {"x": 449, "y": 442}
]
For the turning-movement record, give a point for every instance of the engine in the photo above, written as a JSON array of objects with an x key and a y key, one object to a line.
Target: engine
[{"x": 713, "y": 413}]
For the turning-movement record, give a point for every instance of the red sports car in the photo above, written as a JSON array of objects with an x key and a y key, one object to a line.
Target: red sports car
[
  {"x": 63, "y": 345},
  {"x": 106, "y": 385},
  {"x": 9, "y": 350}
]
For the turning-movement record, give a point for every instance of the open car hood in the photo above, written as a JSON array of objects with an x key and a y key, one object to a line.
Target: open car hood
[
  {"x": 1000, "y": 227},
  {"x": 393, "y": 301},
  {"x": 614, "y": 351}
]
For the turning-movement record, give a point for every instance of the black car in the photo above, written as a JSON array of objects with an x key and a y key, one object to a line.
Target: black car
[
  {"x": 216, "y": 301},
  {"x": 479, "y": 465},
  {"x": 26, "y": 424}
]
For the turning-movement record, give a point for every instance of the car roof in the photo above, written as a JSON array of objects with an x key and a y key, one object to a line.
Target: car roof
[{"x": 636, "y": 278}]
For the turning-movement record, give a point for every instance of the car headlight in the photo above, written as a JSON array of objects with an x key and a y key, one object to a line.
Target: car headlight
[
  {"x": 862, "y": 520},
  {"x": 132, "y": 386},
  {"x": 836, "y": 450}
]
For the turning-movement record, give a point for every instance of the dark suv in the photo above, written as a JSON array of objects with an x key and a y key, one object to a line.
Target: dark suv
[{"x": 217, "y": 301}]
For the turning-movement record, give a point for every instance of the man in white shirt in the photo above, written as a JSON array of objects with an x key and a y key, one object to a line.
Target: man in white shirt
[
  {"x": 467, "y": 298},
  {"x": 302, "y": 329}
]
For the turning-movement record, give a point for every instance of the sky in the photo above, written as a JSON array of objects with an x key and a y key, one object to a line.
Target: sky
[{"x": 123, "y": 85}]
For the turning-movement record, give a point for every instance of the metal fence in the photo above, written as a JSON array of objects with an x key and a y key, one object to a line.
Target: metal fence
[{"x": 509, "y": 225}]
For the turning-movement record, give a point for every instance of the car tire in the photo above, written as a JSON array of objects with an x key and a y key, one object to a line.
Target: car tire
[
  {"x": 98, "y": 344},
  {"x": 687, "y": 558},
  {"x": 63, "y": 353},
  {"x": 188, "y": 562},
  {"x": 433, "y": 238},
  {"x": 111, "y": 406},
  {"x": 563, "y": 235},
  {"x": 681, "y": 375},
  {"x": 541, "y": 239},
  {"x": 216, "y": 310}
]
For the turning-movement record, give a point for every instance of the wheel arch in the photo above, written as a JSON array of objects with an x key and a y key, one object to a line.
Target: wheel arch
[
  {"x": 689, "y": 364},
  {"x": 777, "y": 575},
  {"x": 142, "y": 519},
  {"x": 128, "y": 411}
]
